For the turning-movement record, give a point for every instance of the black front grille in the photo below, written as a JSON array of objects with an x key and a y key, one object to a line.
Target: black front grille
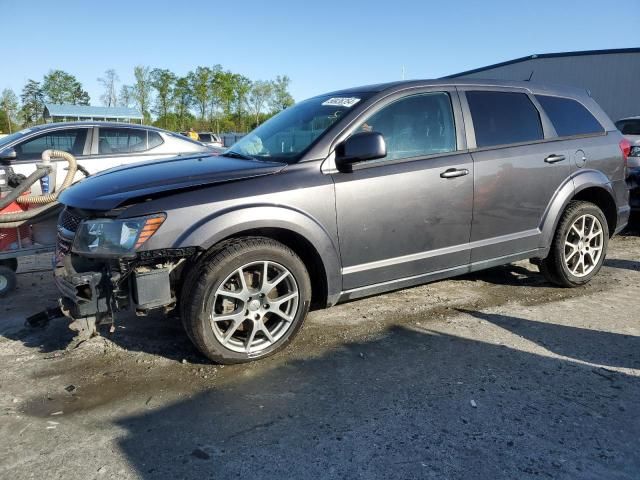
[{"x": 69, "y": 220}]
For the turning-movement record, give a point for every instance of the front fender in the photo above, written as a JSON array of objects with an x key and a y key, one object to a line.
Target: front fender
[
  {"x": 580, "y": 180},
  {"x": 224, "y": 224}
]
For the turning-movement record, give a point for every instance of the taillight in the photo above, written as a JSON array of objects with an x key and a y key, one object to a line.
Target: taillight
[{"x": 625, "y": 146}]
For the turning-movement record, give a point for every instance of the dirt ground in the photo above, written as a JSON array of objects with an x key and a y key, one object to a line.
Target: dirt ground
[{"x": 491, "y": 375}]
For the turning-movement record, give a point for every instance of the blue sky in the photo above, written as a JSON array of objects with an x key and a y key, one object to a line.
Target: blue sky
[{"x": 321, "y": 45}]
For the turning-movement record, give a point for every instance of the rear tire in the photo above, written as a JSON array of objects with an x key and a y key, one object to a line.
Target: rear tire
[
  {"x": 246, "y": 300},
  {"x": 579, "y": 246},
  {"x": 8, "y": 280}
]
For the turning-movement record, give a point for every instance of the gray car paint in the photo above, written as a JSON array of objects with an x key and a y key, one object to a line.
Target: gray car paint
[{"x": 394, "y": 224}]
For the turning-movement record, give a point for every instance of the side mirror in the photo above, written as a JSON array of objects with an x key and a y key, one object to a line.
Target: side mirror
[
  {"x": 8, "y": 154},
  {"x": 360, "y": 148}
]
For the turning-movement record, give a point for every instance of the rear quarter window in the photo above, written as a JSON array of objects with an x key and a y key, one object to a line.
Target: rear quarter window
[
  {"x": 569, "y": 117},
  {"x": 503, "y": 118},
  {"x": 154, "y": 140}
]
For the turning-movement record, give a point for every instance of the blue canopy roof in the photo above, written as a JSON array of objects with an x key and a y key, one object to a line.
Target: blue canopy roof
[{"x": 86, "y": 111}]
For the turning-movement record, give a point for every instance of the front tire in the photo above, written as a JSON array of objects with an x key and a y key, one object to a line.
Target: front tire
[
  {"x": 579, "y": 246},
  {"x": 246, "y": 301}
]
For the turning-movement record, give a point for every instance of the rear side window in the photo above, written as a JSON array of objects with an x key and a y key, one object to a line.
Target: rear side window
[
  {"x": 502, "y": 118},
  {"x": 629, "y": 127},
  {"x": 569, "y": 117},
  {"x": 121, "y": 140}
]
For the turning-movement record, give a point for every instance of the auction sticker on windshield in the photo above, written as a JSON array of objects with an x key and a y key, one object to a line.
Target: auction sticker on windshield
[{"x": 341, "y": 102}]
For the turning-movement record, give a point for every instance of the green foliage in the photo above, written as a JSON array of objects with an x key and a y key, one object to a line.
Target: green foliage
[
  {"x": 281, "y": 97},
  {"x": 62, "y": 87},
  {"x": 163, "y": 81},
  {"x": 206, "y": 98},
  {"x": 32, "y": 97},
  {"x": 142, "y": 90},
  {"x": 8, "y": 111}
]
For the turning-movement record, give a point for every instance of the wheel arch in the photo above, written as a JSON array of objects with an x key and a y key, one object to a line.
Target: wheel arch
[
  {"x": 587, "y": 185},
  {"x": 303, "y": 234}
]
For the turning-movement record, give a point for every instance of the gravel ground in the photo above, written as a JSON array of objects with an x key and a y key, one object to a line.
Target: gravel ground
[{"x": 491, "y": 375}]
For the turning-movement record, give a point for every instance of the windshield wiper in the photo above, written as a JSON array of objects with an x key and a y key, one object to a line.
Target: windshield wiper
[{"x": 232, "y": 154}]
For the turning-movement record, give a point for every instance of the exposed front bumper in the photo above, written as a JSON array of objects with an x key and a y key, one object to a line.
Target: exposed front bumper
[{"x": 84, "y": 294}]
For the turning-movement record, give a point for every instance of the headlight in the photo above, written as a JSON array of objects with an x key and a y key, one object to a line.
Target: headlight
[{"x": 108, "y": 238}]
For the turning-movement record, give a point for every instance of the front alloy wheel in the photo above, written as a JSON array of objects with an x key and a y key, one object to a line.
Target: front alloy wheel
[
  {"x": 254, "y": 307},
  {"x": 245, "y": 300}
]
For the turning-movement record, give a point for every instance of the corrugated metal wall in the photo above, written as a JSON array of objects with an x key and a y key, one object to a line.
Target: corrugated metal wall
[{"x": 613, "y": 79}]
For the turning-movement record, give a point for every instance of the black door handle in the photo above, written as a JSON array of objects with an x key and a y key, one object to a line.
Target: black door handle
[
  {"x": 454, "y": 172},
  {"x": 554, "y": 158}
]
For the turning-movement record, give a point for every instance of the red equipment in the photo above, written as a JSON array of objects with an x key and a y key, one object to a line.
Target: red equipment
[{"x": 14, "y": 238}]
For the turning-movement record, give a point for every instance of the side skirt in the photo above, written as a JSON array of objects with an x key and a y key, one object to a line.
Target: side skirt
[{"x": 421, "y": 279}]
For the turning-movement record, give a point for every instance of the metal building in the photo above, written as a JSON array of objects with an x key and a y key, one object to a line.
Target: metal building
[
  {"x": 612, "y": 76},
  {"x": 64, "y": 113}
]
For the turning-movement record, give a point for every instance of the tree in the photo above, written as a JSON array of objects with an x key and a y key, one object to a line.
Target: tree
[
  {"x": 109, "y": 98},
  {"x": 9, "y": 105},
  {"x": 62, "y": 87},
  {"x": 242, "y": 87},
  {"x": 142, "y": 90},
  {"x": 32, "y": 98},
  {"x": 281, "y": 98},
  {"x": 182, "y": 100},
  {"x": 259, "y": 95},
  {"x": 200, "y": 82},
  {"x": 163, "y": 81},
  {"x": 80, "y": 97},
  {"x": 226, "y": 91},
  {"x": 125, "y": 98}
]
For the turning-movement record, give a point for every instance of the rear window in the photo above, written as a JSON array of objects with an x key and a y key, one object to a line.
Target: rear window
[
  {"x": 205, "y": 137},
  {"x": 629, "y": 127},
  {"x": 502, "y": 118},
  {"x": 569, "y": 117}
]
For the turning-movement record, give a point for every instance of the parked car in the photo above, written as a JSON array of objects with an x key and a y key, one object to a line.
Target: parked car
[
  {"x": 630, "y": 128},
  {"x": 211, "y": 139},
  {"x": 96, "y": 145},
  {"x": 343, "y": 196}
]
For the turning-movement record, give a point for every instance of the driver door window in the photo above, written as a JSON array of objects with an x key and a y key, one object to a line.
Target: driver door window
[
  {"x": 415, "y": 126},
  {"x": 69, "y": 140}
]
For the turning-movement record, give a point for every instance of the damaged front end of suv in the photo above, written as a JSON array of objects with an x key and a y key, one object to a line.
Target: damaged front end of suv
[
  {"x": 100, "y": 269},
  {"x": 119, "y": 236}
]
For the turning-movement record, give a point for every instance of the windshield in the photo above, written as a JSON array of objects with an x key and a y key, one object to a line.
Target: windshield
[
  {"x": 289, "y": 134},
  {"x": 14, "y": 136}
]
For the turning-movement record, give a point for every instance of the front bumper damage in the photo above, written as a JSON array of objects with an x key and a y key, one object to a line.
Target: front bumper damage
[{"x": 94, "y": 291}]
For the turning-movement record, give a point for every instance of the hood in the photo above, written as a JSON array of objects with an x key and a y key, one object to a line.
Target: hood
[{"x": 108, "y": 189}]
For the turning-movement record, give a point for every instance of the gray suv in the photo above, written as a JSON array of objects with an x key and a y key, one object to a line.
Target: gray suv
[{"x": 342, "y": 196}]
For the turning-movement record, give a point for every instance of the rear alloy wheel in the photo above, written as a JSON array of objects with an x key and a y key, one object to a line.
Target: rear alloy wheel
[
  {"x": 579, "y": 246},
  {"x": 583, "y": 245},
  {"x": 246, "y": 300}
]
